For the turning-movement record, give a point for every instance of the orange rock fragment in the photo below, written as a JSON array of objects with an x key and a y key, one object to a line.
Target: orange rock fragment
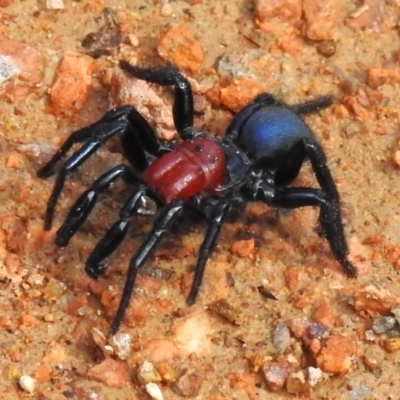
[
  {"x": 125, "y": 89},
  {"x": 243, "y": 248},
  {"x": 24, "y": 62},
  {"x": 379, "y": 76},
  {"x": 213, "y": 95},
  {"x": 372, "y": 301},
  {"x": 298, "y": 326},
  {"x": 151, "y": 285},
  {"x": 391, "y": 253},
  {"x": 28, "y": 320},
  {"x": 111, "y": 372},
  {"x": 159, "y": 350},
  {"x": 177, "y": 45},
  {"x": 57, "y": 354},
  {"x": 335, "y": 356},
  {"x": 283, "y": 10},
  {"x": 292, "y": 276},
  {"x": 193, "y": 334},
  {"x": 244, "y": 382},
  {"x": 240, "y": 92},
  {"x": 396, "y": 158},
  {"x": 324, "y": 314},
  {"x": 71, "y": 85},
  {"x": 29, "y": 61},
  {"x": 189, "y": 384},
  {"x": 42, "y": 373},
  {"x": 391, "y": 344},
  {"x": 360, "y": 256},
  {"x": 6, "y": 3},
  {"x": 137, "y": 312},
  {"x": 321, "y": 17},
  {"x": 288, "y": 42}
]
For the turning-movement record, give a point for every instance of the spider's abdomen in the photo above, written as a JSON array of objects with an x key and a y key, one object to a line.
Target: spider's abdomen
[
  {"x": 194, "y": 167},
  {"x": 270, "y": 133}
]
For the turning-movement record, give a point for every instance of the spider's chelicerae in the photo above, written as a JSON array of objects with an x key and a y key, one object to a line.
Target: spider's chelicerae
[{"x": 259, "y": 157}]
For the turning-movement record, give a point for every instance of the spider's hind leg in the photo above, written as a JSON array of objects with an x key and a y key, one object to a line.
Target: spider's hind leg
[
  {"x": 327, "y": 198},
  {"x": 313, "y": 105}
]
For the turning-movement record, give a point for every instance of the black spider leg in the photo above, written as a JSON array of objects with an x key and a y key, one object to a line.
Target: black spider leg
[
  {"x": 97, "y": 136},
  {"x": 327, "y": 198},
  {"x": 80, "y": 211},
  {"x": 216, "y": 217},
  {"x": 329, "y": 218},
  {"x": 138, "y": 139},
  {"x": 79, "y": 136},
  {"x": 330, "y": 215},
  {"x": 164, "y": 219},
  {"x": 115, "y": 234},
  {"x": 313, "y": 105},
  {"x": 183, "y": 110}
]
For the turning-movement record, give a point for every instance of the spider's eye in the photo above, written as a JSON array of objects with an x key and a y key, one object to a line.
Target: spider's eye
[{"x": 199, "y": 148}]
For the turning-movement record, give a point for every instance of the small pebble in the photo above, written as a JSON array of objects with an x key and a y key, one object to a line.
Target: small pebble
[
  {"x": 55, "y": 4},
  {"x": 296, "y": 384},
  {"x": 166, "y": 10},
  {"x": 275, "y": 374},
  {"x": 396, "y": 158},
  {"x": 27, "y": 383},
  {"x": 317, "y": 331},
  {"x": 392, "y": 344},
  {"x": 7, "y": 68},
  {"x": 154, "y": 391},
  {"x": 393, "y": 333},
  {"x": 49, "y": 318},
  {"x": 382, "y": 324},
  {"x": 121, "y": 343},
  {"x": 326, "y": 48},
  {"x": 359, "y": 391},
  {"x": 148, "y": 374},
  {"x": 396, "y": 311},
  {"x": 35, "y": 280},
  {"x": 281, "y": 337},
  {"x": 370, "y": 335},
  {"x": 315, "y": 375}
]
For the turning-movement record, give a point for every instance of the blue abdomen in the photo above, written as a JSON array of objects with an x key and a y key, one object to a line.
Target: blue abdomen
[{"x": 270, "y": 133}]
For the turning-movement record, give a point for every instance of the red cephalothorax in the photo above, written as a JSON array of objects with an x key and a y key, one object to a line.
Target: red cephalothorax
[{"x": 195, "y": 167}]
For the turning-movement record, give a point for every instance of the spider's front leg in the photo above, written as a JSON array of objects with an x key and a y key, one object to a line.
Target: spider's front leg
[
  {"x": 183, "y": 110},
  {"x": 82, "y": 208},
  {"x": 138, "y": 140},
  {"x": 95, "y": 138}
]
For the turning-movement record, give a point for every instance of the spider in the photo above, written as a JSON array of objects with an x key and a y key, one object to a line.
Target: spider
[{"x": 259, "y": 157}]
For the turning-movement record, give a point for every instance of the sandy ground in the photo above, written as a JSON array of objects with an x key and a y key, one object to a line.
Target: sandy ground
[{"x": 324, "y": 336}]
